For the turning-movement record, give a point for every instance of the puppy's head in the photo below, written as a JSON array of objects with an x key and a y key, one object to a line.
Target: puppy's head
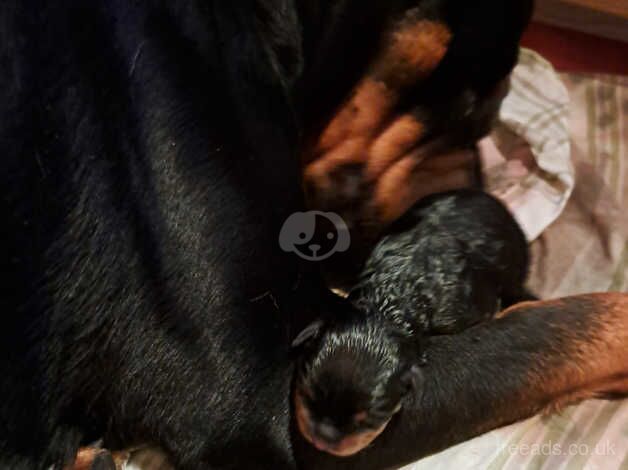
[{"x": 351, "y": 382}]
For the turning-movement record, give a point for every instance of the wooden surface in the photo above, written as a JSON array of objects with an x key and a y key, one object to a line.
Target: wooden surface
[
  {"x": 606, "y": 18},
  {"x": 572, "y": 51},
  {"x": 612, "y": 7}
]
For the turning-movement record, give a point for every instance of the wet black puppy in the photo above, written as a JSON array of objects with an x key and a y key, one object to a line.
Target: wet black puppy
[{"x": 452, "y": 262}]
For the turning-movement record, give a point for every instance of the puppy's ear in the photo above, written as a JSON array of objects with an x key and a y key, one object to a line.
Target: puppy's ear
[
  {"x": 413, "y": 378},
  {"x": 309, "y": 334}
]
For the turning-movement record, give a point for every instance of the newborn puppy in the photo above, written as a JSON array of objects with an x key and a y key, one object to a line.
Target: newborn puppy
[{"x": 455, "y": 260}]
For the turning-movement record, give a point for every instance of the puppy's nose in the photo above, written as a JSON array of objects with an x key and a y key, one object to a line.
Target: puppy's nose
[
  {"x": 328, "y": 433},
  {"x": 315, "y": 248}
]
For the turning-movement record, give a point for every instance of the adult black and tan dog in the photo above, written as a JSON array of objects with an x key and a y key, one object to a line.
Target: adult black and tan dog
[{"x": 151, "y": 151}]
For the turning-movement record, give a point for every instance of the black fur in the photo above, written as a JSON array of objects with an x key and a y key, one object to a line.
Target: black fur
[
  {"x": 453, "y": 261},
  {"x": 146, "y": 296},
  {"x": 150, "y": 153},
  {"x": 495, "y": 374}
]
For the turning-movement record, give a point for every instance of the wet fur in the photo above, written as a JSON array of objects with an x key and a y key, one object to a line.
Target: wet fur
[
  {"x": 454, "y": 260},
  {"x": 450, "y": 263}
]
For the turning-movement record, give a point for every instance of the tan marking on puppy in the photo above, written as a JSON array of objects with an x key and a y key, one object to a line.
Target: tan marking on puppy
[
  {"x": 347, "y": 447},
  {"x": 356, "y": 443},
  {"x": 302, "y": 417},
  {"x": 395, "y": 142}
]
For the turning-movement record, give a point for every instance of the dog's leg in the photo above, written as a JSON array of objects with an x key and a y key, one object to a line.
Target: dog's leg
[
  {"x": 539, "y": 356},
  {"x": 521, "y": 295}
]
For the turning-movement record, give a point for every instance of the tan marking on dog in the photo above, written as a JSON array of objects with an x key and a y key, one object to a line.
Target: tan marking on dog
[
  {"x": 365, "y": 130},
  {"x": 318, "y": 174},
  {"x": 414, "y": 50},
  {"x": 519, "y": 308},
  {"x": 411, "y": 179},
  {"x": 595, "y": 367},
  {"x": 590, "y": 362},
  {"x": 598, "y": 391},
  {"x": 394, "y": 188},
  {"x": 395, "y": 142},
  {"x": 362, "y": 115}
]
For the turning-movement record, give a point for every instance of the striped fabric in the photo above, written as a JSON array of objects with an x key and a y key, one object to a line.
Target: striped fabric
[
  {"x": 528, "y": 161},
  {"x": 591, "y": 436},
  {"x": 587, "y": 248},
  {"x": 584, "y": 250}
]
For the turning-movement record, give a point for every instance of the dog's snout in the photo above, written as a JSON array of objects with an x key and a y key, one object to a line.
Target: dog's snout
[{"x": 315, "y": 248}]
